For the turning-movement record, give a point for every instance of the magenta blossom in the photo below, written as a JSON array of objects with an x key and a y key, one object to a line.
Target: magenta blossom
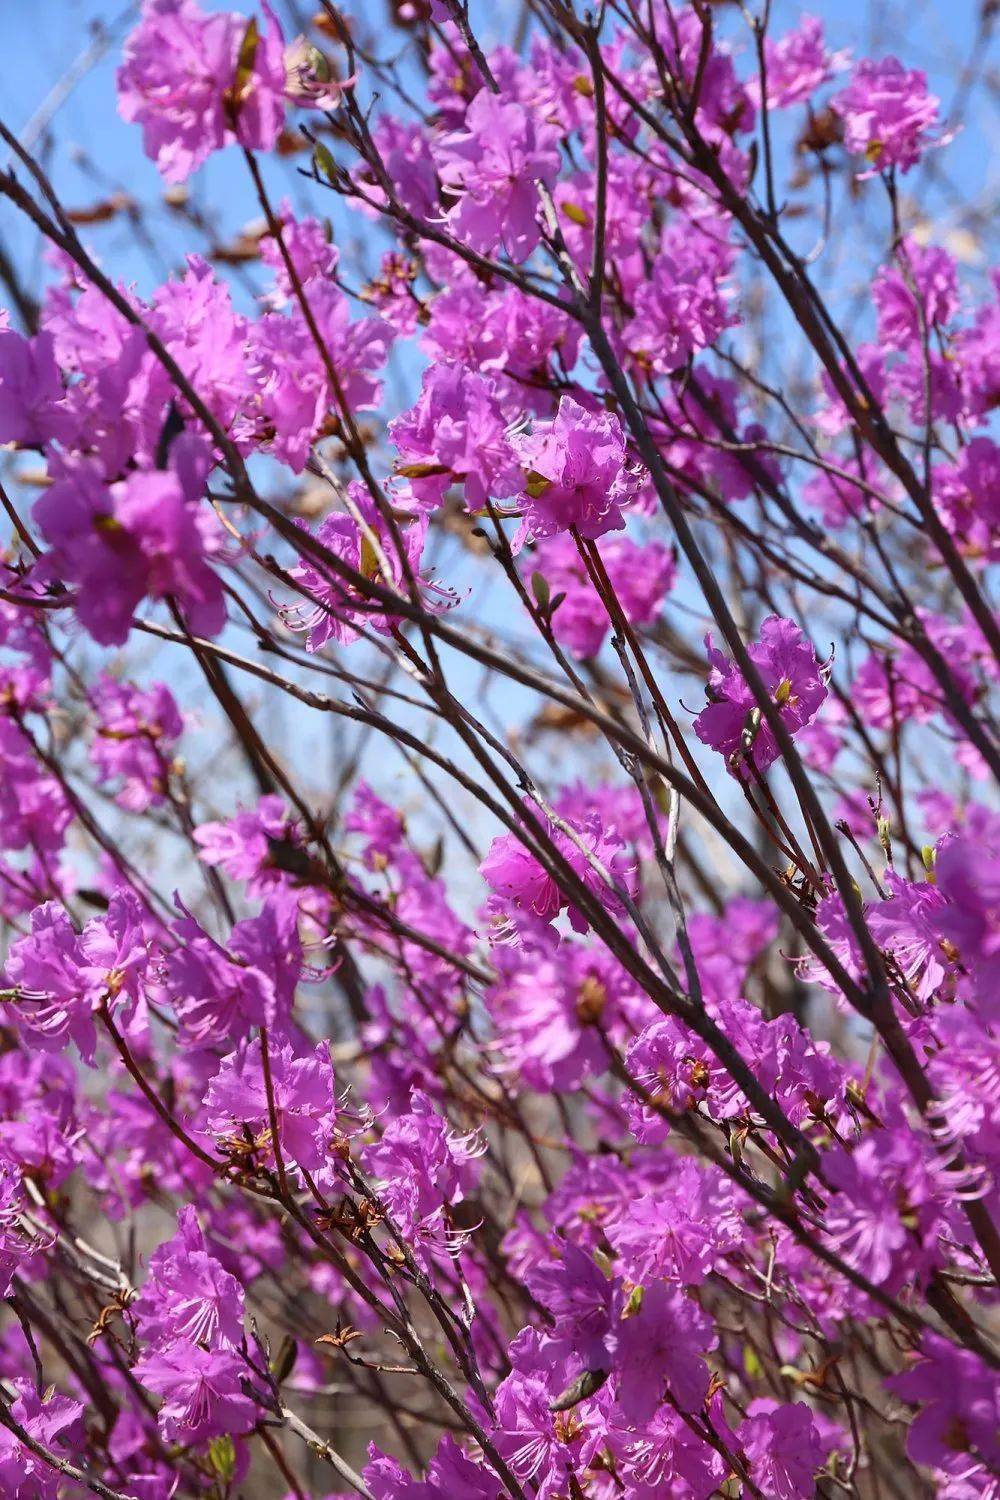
[
  {"x": 368, "y": 545},
  {"x": 195, "y": 82},
  {"x": 424, "y": 1168},
  {"x": 62, "y": 977},
  {"x": 888, "y": 114},
  {"x": 494, "y": 164},
  {"x": 640, "y": 574},
  {"x": 797, "y": 64},
  {"x": 188, "y": 1296},
  {"x": 577, "y": 472},
  {"x": 302, "y": 1090},
  {"x": 136, "y": 733},
  {"x": 660, "y": 1347},
  {"x": 54, "y": 1422},
  {"x": 522, "y": 882},
  {"x": 783, "y": 1448},
  {"x": 33, "y": 406},
  {"x": 147, "y": 536},
  {"x": 456, "y": 433},
  {"x": 732, "y": 723},
  {"x": 957, "y": 1427},
  {"x": 202, "y": 1391}
]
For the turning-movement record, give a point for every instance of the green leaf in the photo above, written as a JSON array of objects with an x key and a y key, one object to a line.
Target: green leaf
[
  {"x": 323, "y": 161},
  {"x": 579, "y": 1389},
  {"x": 540, "y": 589},
  {"x": 222, "y": 1457}
]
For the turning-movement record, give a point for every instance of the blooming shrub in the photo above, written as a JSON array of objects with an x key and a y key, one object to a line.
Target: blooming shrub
[{"x": 499, "y": 860}]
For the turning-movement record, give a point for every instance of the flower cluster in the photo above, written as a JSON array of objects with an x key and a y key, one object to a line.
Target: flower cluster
[{"x": 499, "y": 869}]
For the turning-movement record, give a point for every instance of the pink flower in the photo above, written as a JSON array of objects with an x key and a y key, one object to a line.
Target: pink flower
[
  {"x": 494, "y": 164},
  {"x": 640, "y": 574},
  {"x": 449, "y": 1474},
  {"x": 241, "y": 845},
  {"x": 578, "y": 472},
  {"x": 916, "y": 295},
  {"x": 887, "y": 114},
  {"x": 545, "y": 1006},
  {"x": 791, "y": 675},
  {"x": 63, "y": 977},
  {"x": 682, "y": 306},
  {"x": 797, "y": 64},
  {"x": 201, "y": 1390},
  {"x": 887, "y": 1213},
  {"x": 423, "y": 1168},
  {"x": 308, "y": 246},
  {"x": 522, "y": 882},
  {"x": 217, "y": 993},
  {"x": 660, "y": 1348},
  {"x": 959, "y": 1396},
  {"x": 783, "y": 1448},
  {"x": 967, "y": 495},
  {"x": 681, "y": 1231},
  {"x": 456, "y": 433},
  {"x": 33, "y": 406},
  {"x": 304, "y": 1102},
  {"x": 52, "y": 1420},
  {"x": 188, "y": 1296},
  {"x": 196, "y": 82},
  {"x": 341, "y": 610},
  {"x": 34, "y": 809},
  {"x": 968, "y": 877},
  {"x": 525, "y": 1434},
  {"x": 145, "y": 536},
  {"x": 136, "y": 733}
]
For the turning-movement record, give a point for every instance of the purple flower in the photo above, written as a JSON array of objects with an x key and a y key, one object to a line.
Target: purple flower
[
  {"x": 578, "y": 472},
  {"x": 888, "y": 1209},
  {"x": 187, "y": 1295},
  {"x": 304, "y": 1102},
  {"x": 783, "y": 1448},
  {"x": 52, "y": 1420},
  {"x": 456, "y": 433},
  {"x": 682, "y": 306},
  {"x": 916, "y": 295},
  {"x": 201, "y": 1389},
  {"x": 63, "y": 977},
  {"x": 521, "y": 882},
  {"x": 659, "y": 1348},
  {"x": 887, "y": 113},
  {"x": 195, "y": 82},
  {"x": 370, "y": 548},
  {"x": 34, "y": 808},
  {"x": 33, "y": 406},
  {"x": 640, "y": 574},
  {"x": 449, "y": 1474},
  {"x": 967, "y": 495},
  {"x": 797, "y": 64},
  {"x": 956, "y": 1429},
  {"x": 423, "y": 1167},
  {"x": 525, "y": 1434},
  {"x": 145, "y": 536},
  {"x": 791, "y": 675},
  {"x": 217, "y": 993},
  {"x": 968, "y": 877},
  {"x": 381, "y": 825},
  {"x": 494, "y": 164},
  {"x": 680, "y": 1231},
  {"x": 241, "y": 845},
  {"x": 136, "y": 731}
]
